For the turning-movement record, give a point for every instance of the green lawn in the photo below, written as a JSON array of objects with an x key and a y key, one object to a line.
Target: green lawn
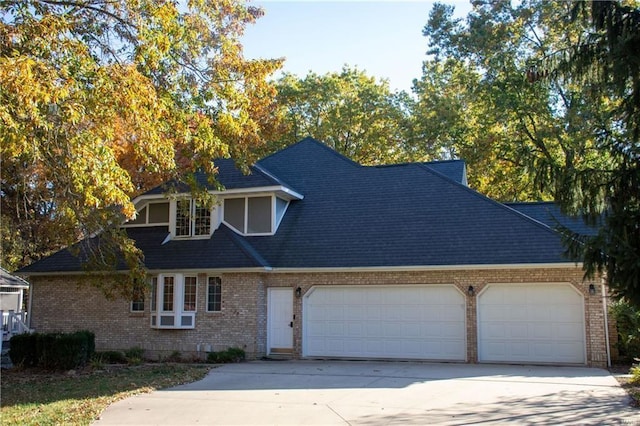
[{"x": 43, "y": 398}]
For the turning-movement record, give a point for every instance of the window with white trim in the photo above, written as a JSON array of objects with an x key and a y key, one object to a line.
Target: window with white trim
[
  {"x": 192, "y": 218},
  {"x": 189, "y": 294},
  {"x": 256, "y": 215},
  {"x": 154, "y": 213},
  {"x": 168, "y": 286},
  {"x": 154, "y": 294},
  {"x": 214, "y": 294},
  {"x": 173, "y": 303}
]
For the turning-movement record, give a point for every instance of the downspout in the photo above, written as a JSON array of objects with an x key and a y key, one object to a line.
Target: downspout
[
  {"x": 29, "y": 304},
  {"x": 606, "y": 323}
]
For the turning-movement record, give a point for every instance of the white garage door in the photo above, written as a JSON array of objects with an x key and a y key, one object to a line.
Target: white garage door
[
  {"x": 540, "y": 323},
  {"x": 403, "y": 322}
]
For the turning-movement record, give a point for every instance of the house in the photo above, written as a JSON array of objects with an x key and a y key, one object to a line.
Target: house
[
  {"x": 315, "y": 256},
  {"x": 12, "y": 291}
]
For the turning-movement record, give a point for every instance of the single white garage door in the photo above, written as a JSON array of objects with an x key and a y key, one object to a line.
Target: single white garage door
[
  {"x": 402, "y": 322},
  {"x": 539, "y": 323}
]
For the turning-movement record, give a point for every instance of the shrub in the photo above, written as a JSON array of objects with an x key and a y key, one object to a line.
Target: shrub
[
  {"x": 174, "y": 356},
  {"x": 635, "y": 374},
  {"x": 628, "y": 322},
  {"x": 111, "y": 357},
  {"x": 91, "y": 342},
  {"x": 52, "y": 350},
  {"x": 23, "y": 350},
  {"x": 64, "y": 351},
  {"x": 224, "y": 357},
  {"x": 134, "y": 355}
]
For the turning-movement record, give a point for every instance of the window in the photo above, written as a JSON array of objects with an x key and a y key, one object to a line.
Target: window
[
  {"x": 259, "y": 215},
  {"x": 234, "y": 213},
  {"x": 183, "y": 225},
  {"x": 159, "y": 213},
  {"x": 214, "y": 294},
  {"x": 141, "y": 217},
  {"x": 202, "y": 217},
  {"x": 192, "y": 218},
  {"x": 137, "y": 300},
  {"x": 189, "y": 295},
  {"x": 250, "y": 215},
  {"x": 175, "y": 296},
  {"x": 154, "y": 294},
  {"x": 137, "y": 304},
  {"x": 152, "y": 214},
  {"x": 167, "y": 294}
]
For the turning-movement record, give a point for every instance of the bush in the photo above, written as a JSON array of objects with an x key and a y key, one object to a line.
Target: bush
[
  {"x": 134, "y": 355},
  {"x": 63, "y": 351},
  {"x": 111, "y": 357},
  {"x": 23, "y": 350},
  {"x": 635, "y": 374},
  {"x": 224, "y": 357},
  {"x": 628, "y": 322},
  {"x": 174, "y": 356}
]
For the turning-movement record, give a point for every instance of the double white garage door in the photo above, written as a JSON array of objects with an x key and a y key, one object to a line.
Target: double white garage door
[{"x": 516, "y": 323}]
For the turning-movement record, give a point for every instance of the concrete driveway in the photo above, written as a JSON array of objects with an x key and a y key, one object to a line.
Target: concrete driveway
[{"x": 374, "y": 393}]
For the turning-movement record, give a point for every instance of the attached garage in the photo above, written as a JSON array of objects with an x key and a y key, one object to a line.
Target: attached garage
[
  {"x": 537, "y": 323},
  {"x": 392, "y": 322}
]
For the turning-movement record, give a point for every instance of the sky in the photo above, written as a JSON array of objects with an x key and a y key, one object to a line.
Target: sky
[{"x": 383, "y": 38}]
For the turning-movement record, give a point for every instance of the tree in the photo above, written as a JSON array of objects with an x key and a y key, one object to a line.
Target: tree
[
  {"x": 102, "y": 99},
  {"x": 606, "y": 60},
  {"x": 349, "y": 111},
  {"x": 476, "y": 100}
]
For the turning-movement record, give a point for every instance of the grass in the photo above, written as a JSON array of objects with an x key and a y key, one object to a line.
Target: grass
[{"x": 43, "y": 398}]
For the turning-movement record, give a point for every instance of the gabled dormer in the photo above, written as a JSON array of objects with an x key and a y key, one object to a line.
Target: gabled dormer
[{"x": 250, "y": 205}]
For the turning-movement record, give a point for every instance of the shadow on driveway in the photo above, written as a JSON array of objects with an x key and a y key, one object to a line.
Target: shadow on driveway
[{"x": 372, "y": 393}]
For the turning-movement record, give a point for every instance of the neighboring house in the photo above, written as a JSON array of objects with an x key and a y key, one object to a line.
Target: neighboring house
[
  {"x": 315, "y": 256},
  {"x": 12, "y": 291}
]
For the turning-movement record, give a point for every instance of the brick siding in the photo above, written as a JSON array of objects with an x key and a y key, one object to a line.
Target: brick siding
[{"x": 68, "y": 303}]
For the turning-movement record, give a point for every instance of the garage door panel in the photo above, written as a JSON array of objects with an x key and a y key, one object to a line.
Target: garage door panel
[
  {"x": 410, "y": 322},
  {"x": 531, "y": 323},
  {"x": 568, "y": 331}
]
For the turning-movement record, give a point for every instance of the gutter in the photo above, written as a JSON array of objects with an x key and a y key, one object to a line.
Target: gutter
[
  {"x": 286, "y": 270},
  {"x": 419, "y": 268},
  {"x": 606, "y": 323}
]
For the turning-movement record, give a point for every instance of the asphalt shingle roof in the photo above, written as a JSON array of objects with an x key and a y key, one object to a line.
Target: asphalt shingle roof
[
  {"x": 356, "y": 216},
  {"x": 549, "y": 213},
  {"x": 230, "y": 177}
]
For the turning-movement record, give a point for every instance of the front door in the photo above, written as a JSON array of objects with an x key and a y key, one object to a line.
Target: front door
[{"x": 280, "y": 321}]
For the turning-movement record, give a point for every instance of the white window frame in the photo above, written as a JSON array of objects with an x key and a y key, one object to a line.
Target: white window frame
[
  {"x": 178, "y": 313},
  {"x": 146, "y": 216},
  {"x": 275, "y": 221},
  {"x": 184, "y": 294},
  {"x": 173, "y": 216}
]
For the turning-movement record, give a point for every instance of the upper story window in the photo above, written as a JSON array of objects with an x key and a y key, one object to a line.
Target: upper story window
[
  {"x": 259, "y": 215},
  {"x": 152, "y": 214},
  {"x": 192, "y": 219}
]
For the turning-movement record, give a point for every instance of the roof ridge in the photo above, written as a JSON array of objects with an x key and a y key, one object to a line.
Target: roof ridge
[
  {"x": 490, "y": 200},
  {"x": 513, "y": 203},
  {"x": 316, "y": 142}
]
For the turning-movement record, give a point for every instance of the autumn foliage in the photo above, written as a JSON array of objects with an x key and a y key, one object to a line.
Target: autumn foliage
[{"x": 103, "y": 99}]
